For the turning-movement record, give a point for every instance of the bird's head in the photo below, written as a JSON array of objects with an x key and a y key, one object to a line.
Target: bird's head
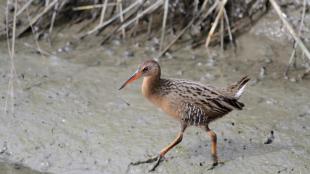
[{"x": 149, "y": 68}]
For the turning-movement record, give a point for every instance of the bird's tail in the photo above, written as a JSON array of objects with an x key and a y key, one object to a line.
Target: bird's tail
[{"x": 237, "y": 88}]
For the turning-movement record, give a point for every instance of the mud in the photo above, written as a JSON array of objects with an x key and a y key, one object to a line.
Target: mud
[{"x": 69, "y": 116}]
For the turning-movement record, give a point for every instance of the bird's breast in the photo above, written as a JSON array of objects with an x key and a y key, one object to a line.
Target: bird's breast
[
  {"x": 159, "y": 96},
  {"x": 163, "y": 102},
  {"x": 166, "y": 105}
]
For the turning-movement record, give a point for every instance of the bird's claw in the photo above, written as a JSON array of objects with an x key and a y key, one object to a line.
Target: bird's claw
[
  {"x": 216, "y": 164},
  {"x": 157, "y": 159},
  {"x": 150, "y": 160}
]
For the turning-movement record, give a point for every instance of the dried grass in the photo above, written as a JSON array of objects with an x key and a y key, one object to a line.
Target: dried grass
[{"x": 126, "y": 18}]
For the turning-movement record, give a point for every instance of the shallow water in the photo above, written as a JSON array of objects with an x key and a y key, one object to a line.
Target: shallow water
[{"x": 70, "y": 118}]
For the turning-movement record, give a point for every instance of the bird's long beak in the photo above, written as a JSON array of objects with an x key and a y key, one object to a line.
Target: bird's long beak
[{"x": 134, "y": 77}]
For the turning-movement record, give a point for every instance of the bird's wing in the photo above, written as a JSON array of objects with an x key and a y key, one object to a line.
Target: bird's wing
[{"x": 212, "y": 101}]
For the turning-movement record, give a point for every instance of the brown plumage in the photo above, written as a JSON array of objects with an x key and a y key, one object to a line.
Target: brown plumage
[{"x": 189, "y": 102}]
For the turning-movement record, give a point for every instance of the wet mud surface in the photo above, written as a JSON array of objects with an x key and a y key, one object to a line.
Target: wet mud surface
[{"x": 69, "y": 116}]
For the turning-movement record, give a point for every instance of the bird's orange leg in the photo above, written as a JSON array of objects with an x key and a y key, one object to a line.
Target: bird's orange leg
[
  {"x": 159, "y": 158},
  {"x": 213, "y": 138},
  {"x": 176, "y": 141}
]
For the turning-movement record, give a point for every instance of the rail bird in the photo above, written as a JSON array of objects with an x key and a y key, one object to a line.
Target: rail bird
[{"x": 191, "y": 103}]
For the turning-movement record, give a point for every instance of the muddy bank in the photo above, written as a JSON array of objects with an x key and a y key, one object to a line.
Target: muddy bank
[
  {"x": 70, "y": 118},
  {"x": 6, "y": 167}
]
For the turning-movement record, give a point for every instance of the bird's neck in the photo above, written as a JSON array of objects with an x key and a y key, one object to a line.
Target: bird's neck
[{"x": 149, "y": 86}]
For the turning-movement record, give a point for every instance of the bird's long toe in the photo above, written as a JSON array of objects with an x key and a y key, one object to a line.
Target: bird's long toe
[
  {"x": 216, "y": 164},
  {"x": 157, "y": 159}
]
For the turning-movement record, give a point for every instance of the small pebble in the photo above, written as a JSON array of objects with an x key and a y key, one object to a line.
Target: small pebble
[
  {"x": 262, "y": 72},
  {"x": 268, "y": 60},
  {"x": 60, "y": 50},
  {"x": 4, "y": 148},
  {"x": 68, "y": 47},
  {"x": 180, "y": 73},
  {"x": 155, "y": 40},
  {"x": 22, "y": 76},
  {"x": 109, "y": 51},
  {"x": 208, "y": 77},
  {"x": 69, "y": 43},
  {"x": 271, "y": 101},
  {"x": 137, "y": 45},
  {"x": 45, "y": 165},
  {"x": 195, "y": 30},
  {"x": 39, "y": 35},
  {"x": 270, "y": 138},
  {"x": 153, "y": 48},
  {"x": 17, "y": 166},
  {"x": 129, "y": 53},
  {"x": 210, "y": 62},
  {"x": 62, "y": 145},
  {"x": 35, "y": 28},
  {"x": 45, "y": 35},
  {"x": 168, "y": 55},
  {"x": 116, "y": 42},
  {"x": 235, "y": 69},
  {"x": 253, "y": 82},
  {"x": 11, "y": 7},
  {"x": 293, "y": 79}
]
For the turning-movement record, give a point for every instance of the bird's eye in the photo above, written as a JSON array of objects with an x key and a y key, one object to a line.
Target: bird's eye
[{"x": 145, "y": 69}]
